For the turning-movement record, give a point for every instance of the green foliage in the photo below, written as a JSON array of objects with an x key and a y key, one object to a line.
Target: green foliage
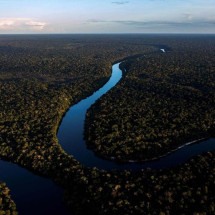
[
  {"x": 41, "y": 76},
  {"x": 164, "y": 101},
  {"x": 7, "y": 205}
]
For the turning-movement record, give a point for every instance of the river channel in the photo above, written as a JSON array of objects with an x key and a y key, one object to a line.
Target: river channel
[
  {"x": 37, "y": 195},
  {"x": 71, "y": 137}
]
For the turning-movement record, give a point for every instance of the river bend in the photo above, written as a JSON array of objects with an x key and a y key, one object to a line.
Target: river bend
[
  {"x": 71, "y": 137},
  {"x": 30, "y": 191}
]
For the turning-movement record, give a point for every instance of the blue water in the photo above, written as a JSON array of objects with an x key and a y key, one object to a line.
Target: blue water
[
  {"x": 71, "y": 137},
  {"x": 32, "y": 194}
]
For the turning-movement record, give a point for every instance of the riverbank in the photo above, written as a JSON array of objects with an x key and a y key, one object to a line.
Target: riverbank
[
  {"x": 153, "y": 110},
  {"x": 154, "y": 158},
  {"x": 73, "y": 127}
]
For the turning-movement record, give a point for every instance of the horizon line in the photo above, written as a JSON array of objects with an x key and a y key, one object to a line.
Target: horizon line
[{"x": 173, "y": 33}]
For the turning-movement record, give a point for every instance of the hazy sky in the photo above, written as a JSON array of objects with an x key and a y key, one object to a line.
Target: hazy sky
[{"x": 106, "y": 16}]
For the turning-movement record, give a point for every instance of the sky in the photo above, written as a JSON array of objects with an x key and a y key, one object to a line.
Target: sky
[{"x": 107, "y": 16}]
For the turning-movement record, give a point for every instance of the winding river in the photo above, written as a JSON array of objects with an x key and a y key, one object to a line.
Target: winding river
[
  {"x": 37, "y": 195},
  {"x": 71, "y": 137}
]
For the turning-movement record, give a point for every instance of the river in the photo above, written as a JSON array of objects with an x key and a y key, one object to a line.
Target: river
[
  {"x": 71, "y": 137},
  {"x": 37, "y": 195},
  {"x": 32, "y": 194}
]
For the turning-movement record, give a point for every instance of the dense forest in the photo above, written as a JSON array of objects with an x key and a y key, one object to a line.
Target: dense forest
[
  {"x": 164, "y": 101},
  {"x": 7, "y": 205},
  {"x": 42, "y": 76}
]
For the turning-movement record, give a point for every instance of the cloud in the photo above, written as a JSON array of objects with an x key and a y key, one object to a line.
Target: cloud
[
  {"x": 120, "y": 2},
  {"x": 188, "y": 16},
  {"x": 36, "y": 25},
  {"x": 169, "y": 24},
  {"x": 157, "y": 26},
  {"x": 97, "y": 21},
  {"x": 190, "y": 21},
  {"x": 25, "y": 24},
  {"x": 152, "y": 23}
]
